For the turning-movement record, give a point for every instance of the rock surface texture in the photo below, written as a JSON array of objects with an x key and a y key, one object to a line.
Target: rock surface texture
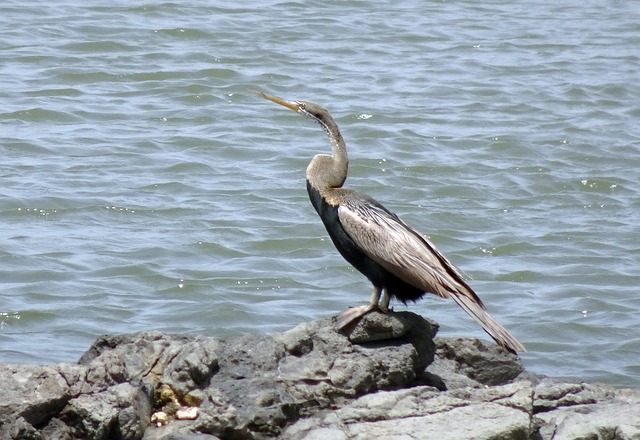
[{"x": 386, "y": 378}]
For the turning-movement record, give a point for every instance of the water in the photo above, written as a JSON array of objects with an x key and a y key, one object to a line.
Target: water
[{"x": 143, "y": 187}]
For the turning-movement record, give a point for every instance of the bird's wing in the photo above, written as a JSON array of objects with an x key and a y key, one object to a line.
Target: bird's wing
[
  {"x": 400, "y": 249},
  {"x": 411, "y": 257}
]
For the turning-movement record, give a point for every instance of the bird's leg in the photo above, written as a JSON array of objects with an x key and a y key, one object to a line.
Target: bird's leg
[
  {"x": 346, "y": 317},
  {"x": 383, "y": 304},
  {"x": 375, "y": 296}
]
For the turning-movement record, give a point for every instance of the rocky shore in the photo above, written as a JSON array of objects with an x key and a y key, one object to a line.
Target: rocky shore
[{"x": 388, "y": 378}]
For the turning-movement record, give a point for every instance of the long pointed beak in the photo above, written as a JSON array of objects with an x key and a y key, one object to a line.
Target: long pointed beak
[{"x": 289, "y": 104}]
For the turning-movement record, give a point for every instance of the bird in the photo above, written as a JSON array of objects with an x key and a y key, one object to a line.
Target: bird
[{"x": 400, "y": 262}]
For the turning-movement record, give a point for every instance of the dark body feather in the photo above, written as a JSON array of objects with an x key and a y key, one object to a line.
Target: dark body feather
[{"x": 350, "y": 251}]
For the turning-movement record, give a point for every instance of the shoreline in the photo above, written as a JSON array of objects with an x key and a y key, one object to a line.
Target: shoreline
[{"x": 389, "y": 376}]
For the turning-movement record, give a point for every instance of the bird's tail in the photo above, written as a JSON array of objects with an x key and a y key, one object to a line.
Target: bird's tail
[{"x": 478, "y": 312}]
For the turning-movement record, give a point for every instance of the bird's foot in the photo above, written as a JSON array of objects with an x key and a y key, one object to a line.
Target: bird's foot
[{"x": 346, "y": 317}]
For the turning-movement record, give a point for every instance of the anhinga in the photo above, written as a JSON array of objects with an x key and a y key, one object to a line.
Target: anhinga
[{"x": 399, "y": 261}]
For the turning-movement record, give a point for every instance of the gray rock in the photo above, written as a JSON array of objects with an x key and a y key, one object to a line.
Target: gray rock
[
  {"x": 577, "y": 410},
  {"x": 424, "y": 412},
  {"x": 48, "y": 390},
  {"x": 266, "y": 382},
  {"x": 179, "y": 430},
  {"x": 474, "y": 362},
  {"x": 384, "y": 378},
  {"x": 499, "y": 412}
]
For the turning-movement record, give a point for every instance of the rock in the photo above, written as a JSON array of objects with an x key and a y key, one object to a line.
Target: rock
[
  {"x": 159, "y": 419},
  {"x": 578, "y": 410},
  {"x": 188, "y": 413},
  {"x": 33, "y": 393},
  {"x": 424, "y": 412},
  {"x": 180, "y": 430},
  {"x": 473, "y": 362},
  {"x": 266, "y": 382},
  {"x": 384, "y": 378}
]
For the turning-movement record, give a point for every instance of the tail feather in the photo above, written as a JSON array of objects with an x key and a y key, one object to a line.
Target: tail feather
[{"x": 478, "y": 312}]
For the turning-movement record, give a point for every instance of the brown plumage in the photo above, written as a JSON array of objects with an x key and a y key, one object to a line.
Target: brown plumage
[{"x": 399, "y": 261}]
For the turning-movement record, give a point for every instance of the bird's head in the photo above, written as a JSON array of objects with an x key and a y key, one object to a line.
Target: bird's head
[
  {"x": 306, "y": 108},
  {"x": 326, "y": 171}
]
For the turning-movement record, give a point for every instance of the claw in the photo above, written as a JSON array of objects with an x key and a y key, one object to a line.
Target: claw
[
  {"x": 346, "y": 317},
  {"x": 352, "y": 314}
]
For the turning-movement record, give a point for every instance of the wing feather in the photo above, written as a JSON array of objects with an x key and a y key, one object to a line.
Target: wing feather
[
  {"x": 401, "y": 250},
  {"x": 413, "y": 258}
]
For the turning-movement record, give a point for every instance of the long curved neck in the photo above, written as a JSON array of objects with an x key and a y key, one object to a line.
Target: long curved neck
[{"x": 329, "y": 171}]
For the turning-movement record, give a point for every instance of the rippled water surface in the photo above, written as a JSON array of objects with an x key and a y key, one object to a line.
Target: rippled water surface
[{"x": 143, "y": 187}]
